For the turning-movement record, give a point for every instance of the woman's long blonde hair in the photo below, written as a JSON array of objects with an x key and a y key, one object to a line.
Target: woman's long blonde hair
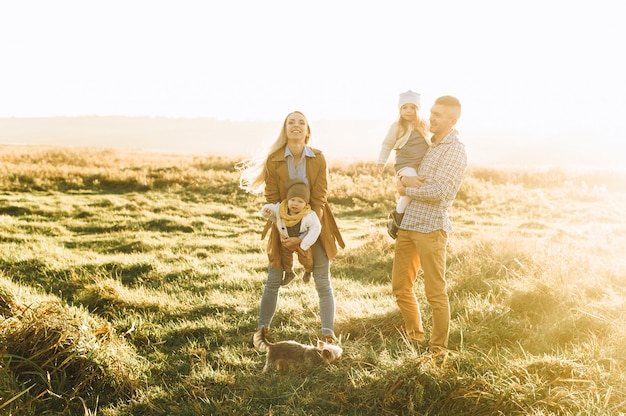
[
  {"x": 253, "y": 170},
  {"x": 416, "y": 124}
]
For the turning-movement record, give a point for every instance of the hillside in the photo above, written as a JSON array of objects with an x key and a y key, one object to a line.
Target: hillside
[
  {"x": 185, "y": 135},
  {"x": 347, "y": 140}
]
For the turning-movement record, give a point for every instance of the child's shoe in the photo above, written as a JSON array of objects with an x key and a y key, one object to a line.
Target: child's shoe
[
  {"x": 287, "y": 278},
  {"x": 393, "y": 224},
  {"x": 306, "y": 277}
]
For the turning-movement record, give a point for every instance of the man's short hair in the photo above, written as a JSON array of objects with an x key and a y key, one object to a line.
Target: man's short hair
[{"x": 450, "y": 102}]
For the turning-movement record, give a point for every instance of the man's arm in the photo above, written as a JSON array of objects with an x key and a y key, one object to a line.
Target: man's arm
[{"x": 449, "y": 174}]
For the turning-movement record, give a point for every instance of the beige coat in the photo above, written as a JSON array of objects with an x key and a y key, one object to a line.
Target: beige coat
[{"x": 276, "y": 176}]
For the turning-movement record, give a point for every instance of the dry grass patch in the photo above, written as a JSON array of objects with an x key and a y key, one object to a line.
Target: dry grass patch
[{"x": 64, "y": 357}]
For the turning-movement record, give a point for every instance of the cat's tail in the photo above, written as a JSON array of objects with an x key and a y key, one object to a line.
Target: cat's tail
[{"x": 260, "y": 339}]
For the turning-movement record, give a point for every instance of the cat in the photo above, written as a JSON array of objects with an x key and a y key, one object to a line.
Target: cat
[{"x": 290, "y": 354}]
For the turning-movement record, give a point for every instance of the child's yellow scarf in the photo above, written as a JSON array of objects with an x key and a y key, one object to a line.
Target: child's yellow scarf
[{"x": 292, "y": 219}]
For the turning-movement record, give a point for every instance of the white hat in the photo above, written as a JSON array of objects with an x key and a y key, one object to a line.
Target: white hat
[{"x": 409, "y": 97}]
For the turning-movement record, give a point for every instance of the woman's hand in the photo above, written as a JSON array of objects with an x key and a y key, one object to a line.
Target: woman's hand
[{"x": 291, "y": 243}]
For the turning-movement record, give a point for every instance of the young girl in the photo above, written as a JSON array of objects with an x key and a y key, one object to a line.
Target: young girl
[{"x": 408, "y": 137}]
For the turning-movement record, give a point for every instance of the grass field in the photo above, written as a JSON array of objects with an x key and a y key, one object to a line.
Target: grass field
[{"x": 130, "y": 285}]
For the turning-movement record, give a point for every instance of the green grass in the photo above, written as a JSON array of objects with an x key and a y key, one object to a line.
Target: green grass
[{"x": 130, "y": 285}]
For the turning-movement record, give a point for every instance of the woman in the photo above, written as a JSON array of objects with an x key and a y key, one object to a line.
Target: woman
[{"x": 291, "y": 158}]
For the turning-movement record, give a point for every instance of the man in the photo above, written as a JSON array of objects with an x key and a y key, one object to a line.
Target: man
[{"x": 423, "y": 233}]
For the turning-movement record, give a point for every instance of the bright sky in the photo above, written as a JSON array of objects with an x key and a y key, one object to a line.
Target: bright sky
[{"x": 539, "y": 69}]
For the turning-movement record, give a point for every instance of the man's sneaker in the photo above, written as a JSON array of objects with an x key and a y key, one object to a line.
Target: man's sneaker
[
  {"x": 415, "y": 336},
  {"x": 306, "y": 277},
  {"x": 287, "y": 278},
  {"x": 436, "y": 351}
]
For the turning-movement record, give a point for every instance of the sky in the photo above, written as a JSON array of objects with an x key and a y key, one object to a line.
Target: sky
[{"x": 538, "y": 70}]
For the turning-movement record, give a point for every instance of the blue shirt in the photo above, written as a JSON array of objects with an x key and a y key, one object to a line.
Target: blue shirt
[{"x": 298, "y": 171}]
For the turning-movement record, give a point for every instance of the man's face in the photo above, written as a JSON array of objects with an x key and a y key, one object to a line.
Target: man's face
[{"x": 441, "y": 120}]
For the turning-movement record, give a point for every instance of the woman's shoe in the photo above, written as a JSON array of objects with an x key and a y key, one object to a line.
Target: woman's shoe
[{"x": 329, "y": 339}]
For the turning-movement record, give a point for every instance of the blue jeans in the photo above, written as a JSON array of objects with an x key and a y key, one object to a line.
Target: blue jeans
[{"x": 321, "y": 277}]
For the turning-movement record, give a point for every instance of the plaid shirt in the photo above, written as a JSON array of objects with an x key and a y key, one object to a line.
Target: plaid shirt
[{"x": 444, "y": 168}]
